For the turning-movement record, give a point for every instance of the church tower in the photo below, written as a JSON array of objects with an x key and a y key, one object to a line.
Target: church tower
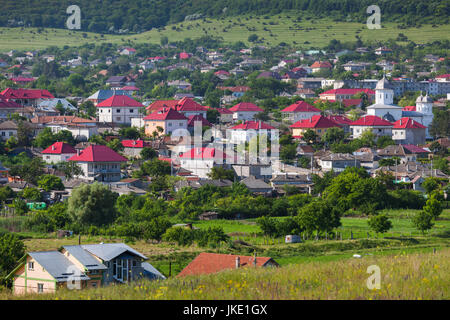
[
  {"x": 424, "y": 105},
  {"x": 384, "y": 93}
]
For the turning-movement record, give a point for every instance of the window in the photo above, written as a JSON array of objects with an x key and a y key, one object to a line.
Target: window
[
  {"x": 118, "y": 111},
  {"x": 94, "y": 284},
  {"x": 118, "y": 118},
  {"x": 3, "y": 133},
  {"x": 40, "y": 287},
  {"x": 134, "y": 263},
  {"x": 181, "y": 124},
  {"x": 31, "y": 266},
  {"x": 131, "y": 110},
  {"x": 170, "y": 124}
]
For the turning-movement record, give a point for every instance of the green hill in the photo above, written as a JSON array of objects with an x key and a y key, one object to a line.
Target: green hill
[
  {"x": 143, "y": 15},
  {"x": 271, "y": 31}
]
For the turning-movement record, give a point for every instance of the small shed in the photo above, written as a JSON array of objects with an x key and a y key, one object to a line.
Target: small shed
[
  {"x": 208, "y": 216},
  {"x": 293, "y": 239}
]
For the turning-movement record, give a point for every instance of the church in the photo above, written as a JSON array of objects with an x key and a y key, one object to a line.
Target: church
[{"x": 384, "y": 107}]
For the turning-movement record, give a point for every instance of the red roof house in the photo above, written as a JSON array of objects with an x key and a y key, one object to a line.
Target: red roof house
[
  {"x": 318, "y": 123},
  {"x": 300, "y": 106},
  {"x": 253, "y": 125},
  {"x": 207, "y": 263},
  {"x": 198, "y": 118},
  {"x": 407, "y": 123},
  {"x": 27, "y": 97},
  {"x": 59, "y": 148},
  {"x": 98, "y": 153},
  {"x": 58, "y": 152},
  {"x": 119, "y": 101},
  {"x": 371, "y": 121},
  {"x": 246, "y": 107}
]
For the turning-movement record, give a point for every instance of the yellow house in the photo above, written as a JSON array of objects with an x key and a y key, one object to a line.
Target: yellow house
[
  {"x": 166, "y": 118},
  {"x": 45, "y": 272},
  {"x": 318, "y": 123}
]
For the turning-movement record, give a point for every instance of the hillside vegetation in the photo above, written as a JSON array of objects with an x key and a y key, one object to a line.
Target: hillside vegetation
[
  {"x": 407, "y": 277},
  {"x": 271, "y": 31},
  {"x": 142, "y": 15}
]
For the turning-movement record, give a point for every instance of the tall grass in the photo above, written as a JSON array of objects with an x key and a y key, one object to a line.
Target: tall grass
[{"x": 416, "y": 276}]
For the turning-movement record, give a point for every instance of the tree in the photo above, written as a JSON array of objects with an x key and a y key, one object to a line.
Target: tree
[
  {"x": 32, "y": 194},
  {"x": 379, "y": 223},
  {"x": 49, "y": 182},
  {"x": 71, "y": 169},
  {"x": 430, "y": 184},
  {"x": 310, "y": 136},
  {"x": 24, "y": 132},
  {"x": 11, "y": 250},
  {"x": 44, "y": 139},
  {"x": 318, "y": 216},
  {"x": 433, "y": 207},
  {"x": 129, "y": 133},
  {"x": 288, "y": 152},
  {"x": 213, "y": 116},
  {"x": 253, "y": 37},
  {"x": 423, "y": 221},
  {"x": 92, "y": 204},
  {"x": 148, "y": 153},
  {"x": 221, "y": 173},
  {"x": 115, "y": 144},
  {"x": 155, "y": 167},
  {"x": 333, "y": 135}
]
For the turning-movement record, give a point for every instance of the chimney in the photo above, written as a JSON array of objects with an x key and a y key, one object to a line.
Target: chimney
[
  {"x": 78, "y": 152},
  {"x": 238, "y": 262}
]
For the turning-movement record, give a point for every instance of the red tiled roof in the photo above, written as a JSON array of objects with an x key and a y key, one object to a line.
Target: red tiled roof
[
  {"x": 409, "y": 108},
  {"x": 59, "y": 148},
  {"x": 120, "y": 101},
  {"x": 206, "y": 263},
  {"x": 165, "y": 114},
  {"x": 158, "y": 104},
  {"x": 187, "y": 104},
  {"x": 317, "y": 121},
  {"x": 61, "y": 119},
  {"x": 98, "y": 153},
  {"x": 371, "y": 121},
  {"x": 300, "y": 106},
  {"x": 321, "y": 64},
  {"x": 407, "y": 123},
  {"x": 246, "y": 106},
  {"x": 235, "y": 89},
  {"x": 135, "y": 143},
  {"x": 130, "y": 88},
  {"x": 204, "y": 153},
  {"x": 224, "y": 72},
  {"x": 185, "y": 55},
  {"x": 341, "y": 120},
  {"x": 27, "y": 94},
  {"x": 7, "y": 104},
  {"x": 347, "y": 91},
  {"x": 224, "y": 111},
  {"x": 443, "y": 76},
  {"x": 194, "y": 118},
  {"x": 414, "y": 149},
  {"x": 22, "y": 79},
  {"x": 255, "y": 125}
]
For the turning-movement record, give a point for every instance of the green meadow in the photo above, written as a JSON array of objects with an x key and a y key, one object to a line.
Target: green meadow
[{"x": 271, "y": 30}]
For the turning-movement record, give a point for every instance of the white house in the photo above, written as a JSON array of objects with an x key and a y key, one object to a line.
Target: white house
[
  {"x": 58, "y": 152},
  {"x": 299, "y": 111},
  {"x": 247, "y": 130},
  {"x": 245, "y": 111},
  {"x": 99, "y": 163},
  {"x": 118, "y": 109},
  {"x": 200, "y": 161}
]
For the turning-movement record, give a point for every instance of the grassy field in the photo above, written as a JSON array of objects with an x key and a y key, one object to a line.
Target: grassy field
[
  {"x": 271, "y": 31},
  {"x": 418, "y": 276}
]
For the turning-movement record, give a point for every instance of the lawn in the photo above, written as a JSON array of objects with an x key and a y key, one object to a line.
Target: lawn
[
  {"x": 271, "y": 31},
  {"x": 417, "y": 276}
]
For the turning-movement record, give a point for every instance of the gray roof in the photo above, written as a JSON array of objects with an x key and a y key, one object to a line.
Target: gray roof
[
  {"x": 58, "y": 266},
  {"x": 106, "y": 94},
  {"x": 151, "y": 272},
  {"x": 86, "y": 259},
  {"x": 414, "y": 114},
  {"x": 252, "y": 183},
  {"x": 109, "y": 251},
  {"x": 8, "y": 125},
  {"x": 382, "y": 106}
]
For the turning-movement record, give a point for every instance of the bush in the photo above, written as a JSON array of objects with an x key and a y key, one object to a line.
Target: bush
[{"x": 380, "y": 223}]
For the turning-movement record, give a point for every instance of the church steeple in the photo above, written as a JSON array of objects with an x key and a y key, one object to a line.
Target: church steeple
[{"x": 384, "y": 93}]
